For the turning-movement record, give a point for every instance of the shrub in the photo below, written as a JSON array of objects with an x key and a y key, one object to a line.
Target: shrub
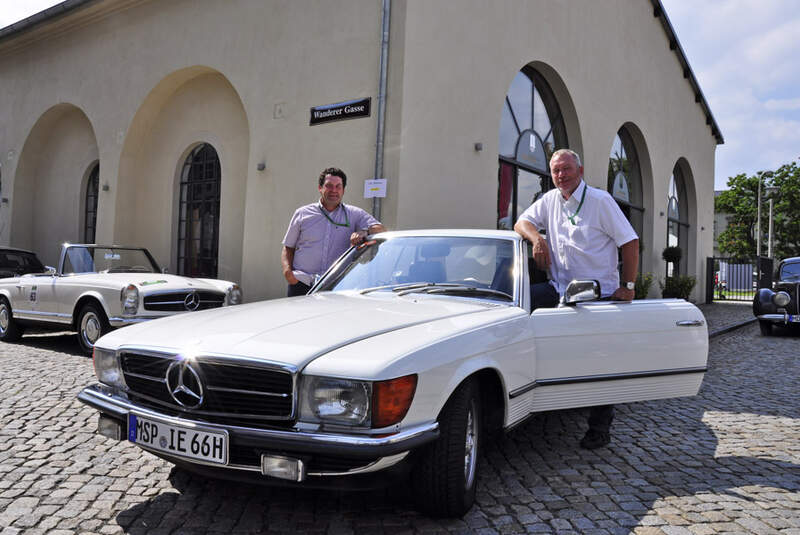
[
  {"x": 679, "y": 286},
  {"x": 643, "y": 283},
  {"x": 672, "y": 254}
]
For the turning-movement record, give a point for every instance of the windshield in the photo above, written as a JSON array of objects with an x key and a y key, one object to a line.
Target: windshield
[
  {"x": 790, "y": 272},
  {"x": 396, "y": 263},
  {"x": 108, "y": 260}
]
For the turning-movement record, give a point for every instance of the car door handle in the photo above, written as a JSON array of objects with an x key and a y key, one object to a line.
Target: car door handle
[{"x": 689, "y": 323}]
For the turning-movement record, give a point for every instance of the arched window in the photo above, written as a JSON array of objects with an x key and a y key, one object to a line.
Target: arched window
[
  {"x": 531, "y": 129},
  {"x": 677, "y": 219},
  {"x": 625, "y": 179},
  {"x": 198, "y": 223},
  {"x": 90, "y": 205}
]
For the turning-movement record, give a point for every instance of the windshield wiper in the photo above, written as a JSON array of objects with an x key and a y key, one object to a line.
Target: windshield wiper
[
  {"x": 433, "y": 288},
  {"x": 408, "y": 287}
]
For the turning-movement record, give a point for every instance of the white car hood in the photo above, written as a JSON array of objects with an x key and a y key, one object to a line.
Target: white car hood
[
  {"x": 147, "y": 283},
  {"x": 290, "y": 331}
]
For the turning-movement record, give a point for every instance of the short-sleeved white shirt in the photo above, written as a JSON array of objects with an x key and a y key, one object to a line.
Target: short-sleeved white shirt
[{"x": 587, "y": 248}]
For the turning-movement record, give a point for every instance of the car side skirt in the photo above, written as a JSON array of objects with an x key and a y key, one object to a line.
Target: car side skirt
[{"x": 573, "y": 392}]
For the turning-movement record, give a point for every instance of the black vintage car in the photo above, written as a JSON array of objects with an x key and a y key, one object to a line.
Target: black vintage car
[
  {"x": 781, "y": 304},
  {"x": 15, "y": 262}
]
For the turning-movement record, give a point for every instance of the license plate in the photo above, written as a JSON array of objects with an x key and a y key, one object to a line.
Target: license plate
[{"x": 183, "y": 441}]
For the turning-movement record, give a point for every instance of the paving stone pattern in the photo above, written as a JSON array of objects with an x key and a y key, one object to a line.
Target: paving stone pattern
[{"x": 725, "y": 461}]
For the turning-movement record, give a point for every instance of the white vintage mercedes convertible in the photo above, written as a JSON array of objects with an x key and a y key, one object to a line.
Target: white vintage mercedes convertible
[
  {"x": 98, "y": 287},
  {"x": 408, "y": 351}
]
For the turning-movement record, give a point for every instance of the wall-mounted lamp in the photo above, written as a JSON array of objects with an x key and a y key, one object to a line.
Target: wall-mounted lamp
[
  {"x": 478, "y": 147},
  {"x": 261, "y": 166},
  {"x": 702, "y": 228},
  {"x": 106, "y": 187},
  {"x": 661, "y": 214}
]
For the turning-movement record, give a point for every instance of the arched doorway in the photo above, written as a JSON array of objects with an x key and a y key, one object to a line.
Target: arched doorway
[
  {"x": 531, "y": 129},
  {"x": 198, "y": 223}
]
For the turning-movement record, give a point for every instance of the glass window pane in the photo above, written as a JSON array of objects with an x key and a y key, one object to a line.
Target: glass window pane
[
  {"x": 530, "y": 150},
  {"x": 520, "y": 96},
  {"x": 505, "y": 197},
  {"x": 541, "y": 120},
  {"x": 529, "y": 188},
  {"x": 508, "y": 133}
]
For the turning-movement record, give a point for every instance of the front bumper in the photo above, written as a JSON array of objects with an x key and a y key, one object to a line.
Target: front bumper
[
  {"x": 370, "y": 452},
  {"x": 117, "y": 321},
  {"x": 783, "y": 318}
]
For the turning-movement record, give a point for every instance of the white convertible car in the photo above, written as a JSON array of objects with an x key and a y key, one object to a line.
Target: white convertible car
[
  {"x": 405, "y": 354},
  {"x": 97, "y": 287}
]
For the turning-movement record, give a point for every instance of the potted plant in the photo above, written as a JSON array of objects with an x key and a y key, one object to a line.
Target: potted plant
[
  {"x": 679, "y": 286},
  {"x": 643, "y": 283}
]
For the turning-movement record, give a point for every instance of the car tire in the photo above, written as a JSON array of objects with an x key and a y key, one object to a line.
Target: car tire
[
  {"x": 10, "y": 330},
  {"x": 766, "y": 327},
  {"x": 92, "y": 324},
  {"x": 445, "y": 477}
]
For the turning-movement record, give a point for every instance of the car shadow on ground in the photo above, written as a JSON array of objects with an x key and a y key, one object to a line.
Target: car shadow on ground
[
  {"x": 63, "y": 342},
  {"x": 722, "y": 446}
]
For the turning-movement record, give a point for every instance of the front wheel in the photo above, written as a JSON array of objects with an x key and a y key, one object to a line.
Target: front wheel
[
  {"x": 10, "y": 330},
  {"x": 766, "y": 327},
  {"x": 92, "y": 324},
  {"x": 445, "y": 478}
]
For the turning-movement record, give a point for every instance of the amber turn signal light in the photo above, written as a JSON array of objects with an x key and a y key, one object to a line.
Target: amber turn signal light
[{"x": 391, "y": 400}]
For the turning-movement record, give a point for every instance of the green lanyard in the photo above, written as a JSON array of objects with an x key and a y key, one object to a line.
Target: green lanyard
[
  {"x": 346, "y": 219},
  {"x": 583, "y": 196}
]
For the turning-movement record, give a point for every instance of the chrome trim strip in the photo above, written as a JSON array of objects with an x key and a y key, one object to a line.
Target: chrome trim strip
[
  {"x": 54, "y": 317},
  {"x": 604, "y": 377},
  {"x": 101, "y": 396},
  {"x": 248, "y": 392},
  {"x": 380, "y": 464},
  {"x": 116, "y": 321},
  {"x": 161, "y": 380}
]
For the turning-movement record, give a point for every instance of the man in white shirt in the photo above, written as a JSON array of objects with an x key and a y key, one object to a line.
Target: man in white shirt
[{"x": 584, "y": 228}]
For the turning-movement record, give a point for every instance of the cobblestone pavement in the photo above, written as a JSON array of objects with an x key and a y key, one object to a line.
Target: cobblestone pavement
[{"x": 725, "y": 461}]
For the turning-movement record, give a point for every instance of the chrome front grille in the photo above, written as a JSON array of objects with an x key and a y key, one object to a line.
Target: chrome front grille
[
  {"x": 234, "y": 392},
  {"x": 183, "y": 301}
]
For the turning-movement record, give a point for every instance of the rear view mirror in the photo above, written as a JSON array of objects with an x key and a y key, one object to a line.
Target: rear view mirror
[{"x": 581, "y": 291}]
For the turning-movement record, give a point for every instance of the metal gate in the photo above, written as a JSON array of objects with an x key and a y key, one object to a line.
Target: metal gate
[{"x": 736, "y": 279}]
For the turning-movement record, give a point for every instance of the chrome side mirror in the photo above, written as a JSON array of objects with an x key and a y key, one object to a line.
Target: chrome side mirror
[
  {"x": 164, "y": 270},
  {"x": 50, "y": 270},
  {"x": 581, "y": 291}
]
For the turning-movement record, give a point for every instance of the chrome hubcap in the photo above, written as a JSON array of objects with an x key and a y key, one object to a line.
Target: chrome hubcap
[
  {"x": 3, "y": 318},
  {"x": 90, "y": 328},
  {"x": 470, "y": 448}
]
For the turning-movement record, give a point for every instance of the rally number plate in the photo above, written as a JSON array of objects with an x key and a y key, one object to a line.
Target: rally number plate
[{"x": 183, "y": 441}]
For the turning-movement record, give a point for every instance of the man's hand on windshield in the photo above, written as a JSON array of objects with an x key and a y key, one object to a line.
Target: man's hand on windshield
[{"x": 356, "y": 238}]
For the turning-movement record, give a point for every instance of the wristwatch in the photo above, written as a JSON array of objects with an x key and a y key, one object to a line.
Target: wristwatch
[{"x": 630, "y": 285}]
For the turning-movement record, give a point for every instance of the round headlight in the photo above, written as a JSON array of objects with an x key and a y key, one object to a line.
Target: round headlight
[
  {"x": 235, "y": 295},
  {"x": 781, "y": 299},
  {"x": 129, "y": 297},
  {"x": 339, "y": 401}
]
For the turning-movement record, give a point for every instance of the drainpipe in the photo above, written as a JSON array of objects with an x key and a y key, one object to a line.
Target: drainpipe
[{"x": 387, "y": 7}]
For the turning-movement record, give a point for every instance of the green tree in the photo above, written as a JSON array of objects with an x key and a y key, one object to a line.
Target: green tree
[{"x": 740, "y": 202}]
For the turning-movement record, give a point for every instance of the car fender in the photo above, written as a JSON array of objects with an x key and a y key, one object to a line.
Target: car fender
[
  {"x": 93, "y": 295},
  {"x": 762, "y": 302}
]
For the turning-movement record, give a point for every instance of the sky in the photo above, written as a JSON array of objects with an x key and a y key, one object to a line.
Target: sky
[{"x": 745, "y": 55}]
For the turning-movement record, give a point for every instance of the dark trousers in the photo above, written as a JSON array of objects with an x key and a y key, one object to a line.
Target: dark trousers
[
  {"x": 543, "y": 295},
  {"x": 298, "y": 289}
]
